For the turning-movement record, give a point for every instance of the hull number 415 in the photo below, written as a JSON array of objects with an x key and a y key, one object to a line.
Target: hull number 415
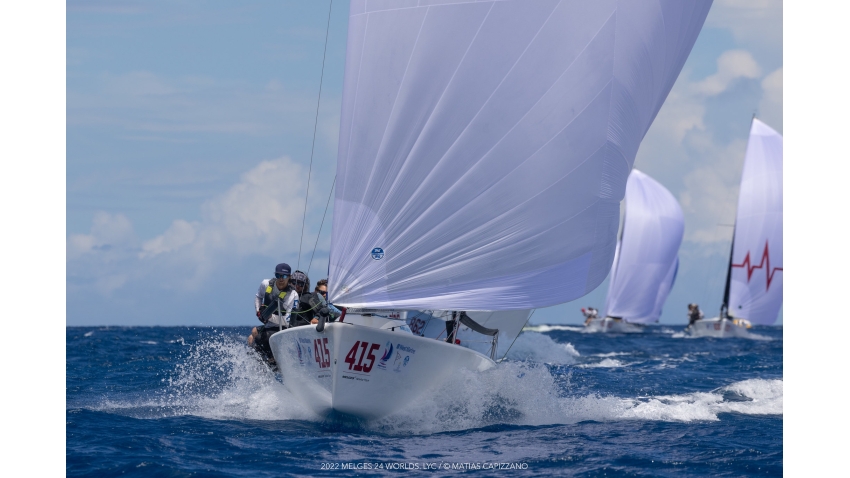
[
  {"x": 363, "y": 350},
  {"x": 321, "y": 352}
]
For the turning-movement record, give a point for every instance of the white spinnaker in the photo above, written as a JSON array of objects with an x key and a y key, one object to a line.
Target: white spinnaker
[
  {"x": 755, "y": 288},
  {"x": 647, "y": 254},
  {"x": 609, "y": 297},
  {"x": 664, "y": 289},
  {"x": 484, "y": 146}
]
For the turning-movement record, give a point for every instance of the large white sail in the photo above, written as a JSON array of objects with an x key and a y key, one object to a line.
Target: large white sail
[
  {"x": 485, "y": 145},
  {"x": 665, "y": 288},
  {"x": 643, "y": 272},
  {"x": 755, "y": 277}
]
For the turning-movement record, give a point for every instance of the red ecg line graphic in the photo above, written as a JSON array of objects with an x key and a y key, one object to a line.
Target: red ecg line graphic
[{"x": 765, "y": 258}]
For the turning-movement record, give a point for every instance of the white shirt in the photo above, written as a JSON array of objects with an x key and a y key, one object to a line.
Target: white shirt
[{"x": 290, "y": 301}]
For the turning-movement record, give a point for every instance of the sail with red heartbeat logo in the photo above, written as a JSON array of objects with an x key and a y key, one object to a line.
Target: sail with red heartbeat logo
[{"x": 754, "y": 283}]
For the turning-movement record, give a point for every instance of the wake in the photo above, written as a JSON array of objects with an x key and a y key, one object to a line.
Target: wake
[{"x": 220, "y": 378}]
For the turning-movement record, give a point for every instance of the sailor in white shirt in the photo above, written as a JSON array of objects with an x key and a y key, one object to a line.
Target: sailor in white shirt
[{"x": 276, "y": 297}]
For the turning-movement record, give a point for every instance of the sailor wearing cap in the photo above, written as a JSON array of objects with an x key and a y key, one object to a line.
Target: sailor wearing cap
[{"x": 278, "y": 295}]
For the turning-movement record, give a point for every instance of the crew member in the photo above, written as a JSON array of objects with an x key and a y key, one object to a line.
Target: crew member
[
  {"x": 589, "y": 314},
  {"x": 303, "y": 312},
  {"x": 320, "y": 300},
  {"x": 694, "y": 314},
  {"x": 278, "y": 294}
]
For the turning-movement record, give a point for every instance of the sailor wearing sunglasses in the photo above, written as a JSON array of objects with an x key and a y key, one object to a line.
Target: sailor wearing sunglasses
[{"x": 273, "y": 305}]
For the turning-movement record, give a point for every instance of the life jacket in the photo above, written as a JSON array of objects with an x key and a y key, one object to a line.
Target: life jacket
[
  {"x": 268, "y": 299},
  {"x": 304, "y": 312}
]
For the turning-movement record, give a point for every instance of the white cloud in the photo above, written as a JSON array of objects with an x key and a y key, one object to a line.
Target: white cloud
[
  {"x": 770, "y": 108},
  {"x": 181, "y": 233},
  {"x": 685, "y": 107},
  {"x": 711, "y": 194},
  {"x": 731, "y": 65},
  {"x": 100, "y": 257},
  {"x": 261, "y": 214},
  {"x": 108, "y": 232},
  {"x": 684, "y": 149}
]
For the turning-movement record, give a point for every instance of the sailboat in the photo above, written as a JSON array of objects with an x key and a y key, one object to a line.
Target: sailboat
[
  {"x": 753, "y": 292},
  {"x": 484, "y": 149},
  {"x": 646, "y": 259}
]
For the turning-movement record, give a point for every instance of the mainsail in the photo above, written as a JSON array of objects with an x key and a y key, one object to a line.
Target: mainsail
[
  {"x": 755, "y": 271},
  {"x": 646, "y": 263},
  {"x": 485, "y": 145}
]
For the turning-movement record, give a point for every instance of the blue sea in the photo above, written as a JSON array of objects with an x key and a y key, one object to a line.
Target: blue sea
[{"x": 194, "y": 401}]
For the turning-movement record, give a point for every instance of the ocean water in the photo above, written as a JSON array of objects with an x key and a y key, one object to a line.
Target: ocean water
[{"x": 187, "y": 401}]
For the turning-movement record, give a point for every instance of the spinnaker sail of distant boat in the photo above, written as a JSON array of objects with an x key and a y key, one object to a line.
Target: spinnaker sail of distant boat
[
  {"x": 647, "y": 252},
  {"x": 754, "y": 279}
]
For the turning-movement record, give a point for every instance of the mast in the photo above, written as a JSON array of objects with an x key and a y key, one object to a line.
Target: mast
[{"x": 724, "y": 309}]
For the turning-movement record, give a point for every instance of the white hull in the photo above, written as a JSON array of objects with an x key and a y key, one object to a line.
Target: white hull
[
  {"x": 717, "y": 327},
  {"x": 607, "y": 324},
  {"x": 363, "y": 371}
]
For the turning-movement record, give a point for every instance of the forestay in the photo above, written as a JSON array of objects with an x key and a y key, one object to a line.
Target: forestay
[
  {"x": 755, "y": 288},
  {"x": 646, "y": 262},
  {"x": 484, "y": 146}
]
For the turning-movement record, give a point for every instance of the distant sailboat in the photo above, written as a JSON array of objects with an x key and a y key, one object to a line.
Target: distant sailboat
[
  {"x": 484, "y": 149},
  {"x": 646, "y": 260},
  {"x": 753, "y": 292}
]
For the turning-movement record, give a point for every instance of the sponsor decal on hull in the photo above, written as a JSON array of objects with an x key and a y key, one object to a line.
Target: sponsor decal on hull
[
  {"x": 401, "y": 360},
  {"x": 300, "y": 352},
  {"x": 388, "y": 353}
]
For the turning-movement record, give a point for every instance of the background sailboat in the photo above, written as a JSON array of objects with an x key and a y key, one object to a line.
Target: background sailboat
[
  {"x": 753, "y": 293},
  {"x": 646, "y": 261},
  {"x": 484, "y": 150}
]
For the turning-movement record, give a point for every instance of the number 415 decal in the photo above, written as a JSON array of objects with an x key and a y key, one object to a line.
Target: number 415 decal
[
  {"x": 357, "y": 364},
  {"x": 321, "y": 352}
]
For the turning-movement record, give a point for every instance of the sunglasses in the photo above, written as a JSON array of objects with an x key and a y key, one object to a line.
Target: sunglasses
[
  {"x": 323, "y": 292},
  {"x": 281, "y": 276}
]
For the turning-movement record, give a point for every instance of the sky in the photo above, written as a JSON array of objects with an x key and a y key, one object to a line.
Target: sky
[{"x": 189, "y": 131}]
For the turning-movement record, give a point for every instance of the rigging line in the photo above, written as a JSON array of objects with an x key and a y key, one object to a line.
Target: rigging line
[
  {"x": 517, "y": 335},
  {"x": 330, "y": 195},
  {"x": 315, "y": 126}
]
